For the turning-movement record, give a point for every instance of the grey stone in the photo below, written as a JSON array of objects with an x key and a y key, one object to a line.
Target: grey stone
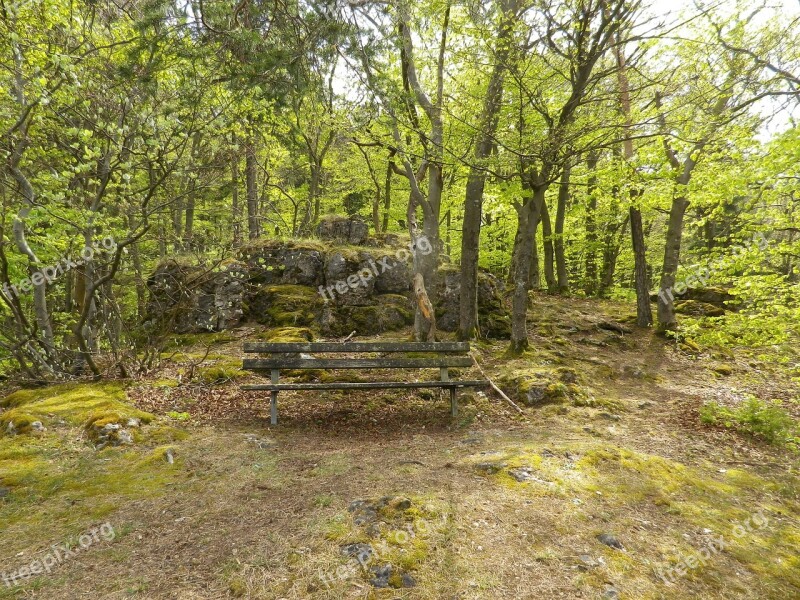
[
  {"x": 362, "y": 552},
  {"x": 394, "y": 275},
  {"x": 493, "y": 316},
  {"x": 609, "y": 416},
  {"x": 381, "y": 576},
  {"x": 339, "y": 268},
  {"x": 350, "y": 230},
  {"x": 522, "y": 474},
  {"x": 124, "y": 437},
  {"x": 610, "y": 541},
  {"x": 192, "y": 299},
  {"x": 490, "y": 468},
  {"x": 281, "y": 265}
]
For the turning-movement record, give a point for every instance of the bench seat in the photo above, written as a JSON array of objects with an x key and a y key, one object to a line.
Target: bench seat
[
  {"x": 277, "y": 356},
  {"x": 346, "y": 385}
]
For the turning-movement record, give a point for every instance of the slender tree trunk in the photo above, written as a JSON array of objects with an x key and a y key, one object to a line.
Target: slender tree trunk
[
  {"x": 523, "y": 249},
  {"x": 387, "y": 190},
  {"x": 590, "y": 281},
  {"x": 528, "y": 217},
  {"x": 644, "y": 316},
  {"x": 672, "y": 251},
  {"x": 473, "y": 201},
  {"x": 536, "y": 272},
  {"x": 547, "y": 241},
  {"x": 253, "y": 227},
  {"x": 236, "y": 209},
  {"x": 561, "y": 264}
]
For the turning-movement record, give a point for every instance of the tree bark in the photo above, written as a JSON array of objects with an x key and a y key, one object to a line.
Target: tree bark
[
  {"x": 236, "y": 209},
  {"x": 614, "y": 236},
  {"x": 253, "y": 227},
  {"x": 528, "y": 218},
  {"x": 644, "y": 315},
  {"x": 563, "y": 198},
  {"x": 547, "y": 242},
  {"x": 672, "y": 251},
  {"x": 590, "y": 268}
]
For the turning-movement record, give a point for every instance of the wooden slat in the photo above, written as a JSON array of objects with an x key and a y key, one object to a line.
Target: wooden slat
[
  {"x": 368, "y": 385},
  {"x": 281, "y": 347},
  {"x": 284, "y": 362}
]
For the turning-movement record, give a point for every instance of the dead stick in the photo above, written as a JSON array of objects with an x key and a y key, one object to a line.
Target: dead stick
[{"x": 494, "y": 387}]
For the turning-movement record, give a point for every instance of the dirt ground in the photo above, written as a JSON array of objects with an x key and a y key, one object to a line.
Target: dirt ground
[{"x": 618, "y": 493}]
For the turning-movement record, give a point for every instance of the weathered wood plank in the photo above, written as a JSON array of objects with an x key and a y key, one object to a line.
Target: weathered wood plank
[
  {"x": 286, "y": 362},
  {"x": 310, "y": 347},
  {"x": 344, "y": 385}
]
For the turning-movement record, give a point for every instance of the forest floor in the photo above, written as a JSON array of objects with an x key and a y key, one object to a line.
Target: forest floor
[{"x": 614, "y": 491}]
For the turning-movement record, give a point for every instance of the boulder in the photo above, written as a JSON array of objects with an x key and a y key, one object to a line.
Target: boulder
[
  {"x": 698, "y": 308},
  {"x": 349, "y": 230},
  {"x": 352, "y": 277},
  {"x": 276, "y": 262},
  {"x": 394, "y": 275},
  {"x": 285, "y": 305},
  {"x": 388, "y": 312}
]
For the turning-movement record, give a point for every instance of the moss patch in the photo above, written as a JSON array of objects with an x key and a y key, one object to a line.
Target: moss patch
[
  {"x": 72, "y": 404},
  {"x": 286, "y": 306}
]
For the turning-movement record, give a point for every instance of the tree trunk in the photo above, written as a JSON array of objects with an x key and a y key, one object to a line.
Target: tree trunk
[
  {"x": 387, "y": 190},
  {"x": 253, "y": 228},
  {"x": 536, "y": 273},
  {"x": 473, "y": 200},
  {"x": 590, "y": 281},
  {"x": 236, "y": 209},
  {"x": 644, "y": 316},
  {"x": 547, "y": 241},
  {"x": 672, "y": 250},
  {"x": 528, "y": 217},
  {"x": 563, "y": 198}
]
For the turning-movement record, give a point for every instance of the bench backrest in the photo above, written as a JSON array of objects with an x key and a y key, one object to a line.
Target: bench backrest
[{"x": 285, "y": 355}]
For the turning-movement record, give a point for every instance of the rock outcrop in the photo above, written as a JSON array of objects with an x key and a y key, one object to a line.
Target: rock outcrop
[{"x": 333, "y": 289}]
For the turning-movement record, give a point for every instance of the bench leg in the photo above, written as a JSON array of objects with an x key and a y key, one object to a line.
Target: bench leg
[
  {"x": 453, "y": 403},
  {"x": 273, "y": 405},
  {"x": 273, "y": 408}
]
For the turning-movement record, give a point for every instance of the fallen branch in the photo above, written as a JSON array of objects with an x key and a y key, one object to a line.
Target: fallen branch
[{"x": 494, "y": 386}]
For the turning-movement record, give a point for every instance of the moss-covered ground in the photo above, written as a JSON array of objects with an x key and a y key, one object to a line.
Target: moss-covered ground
[{"x": 209, "y": 501}]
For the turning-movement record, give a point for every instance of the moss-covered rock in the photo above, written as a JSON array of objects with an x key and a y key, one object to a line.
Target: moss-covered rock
[
  {"x": 698, "y": 309},
  {"x": 351, "y": 230},
  {"x": 286, "y": 306},
  {"x": 538, "y": 386},
  {"x": 391, "y": 312},
  {"x": 187, "y": 298},
  {"x": 292, "y": 262}
]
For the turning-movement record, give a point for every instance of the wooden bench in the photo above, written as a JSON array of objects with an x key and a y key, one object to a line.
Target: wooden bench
[{"x": 289, "y": 356}]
